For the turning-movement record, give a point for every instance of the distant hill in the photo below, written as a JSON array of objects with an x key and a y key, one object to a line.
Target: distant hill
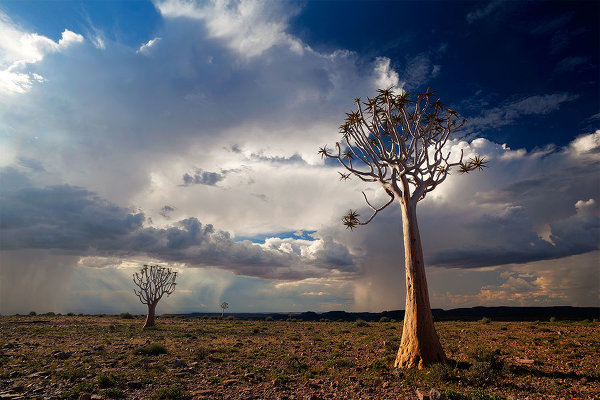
[{"x": 457, "y": 314}]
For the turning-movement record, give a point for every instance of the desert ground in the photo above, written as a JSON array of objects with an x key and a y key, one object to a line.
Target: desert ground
[{"x": 111, "y": 357}]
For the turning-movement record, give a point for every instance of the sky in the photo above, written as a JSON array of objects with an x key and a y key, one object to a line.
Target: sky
[{"x": 185, "y": 134}]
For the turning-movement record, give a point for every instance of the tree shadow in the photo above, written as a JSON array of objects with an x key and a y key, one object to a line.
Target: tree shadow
[{"x": 525, "y": 370}]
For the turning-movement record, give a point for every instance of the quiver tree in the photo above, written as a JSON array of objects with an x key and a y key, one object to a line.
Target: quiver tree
[
  {"x": 400, "y": 143},
  {"x": 153, "y": 281},
  {"x": 224, "y": 305}
]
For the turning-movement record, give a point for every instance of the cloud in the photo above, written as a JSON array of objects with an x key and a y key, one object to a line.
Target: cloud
[
  {"x": 483, "y": 12},
  {"x": 248, "y": 27},
  {"x": 146, "y": 47},
  {"x": 565, "y": 281},
  {"x": 419, "y": 70},
  {"x": 166, "y": 210},
  {"x": 508, "y": 113},
  {"x": 201, "y": 177},
  {"x": 386, "y": 77},
  {"x": 570, "y": 63},
  {"x": 19, "y": 49},
  {"x": 79, "y": 222}
]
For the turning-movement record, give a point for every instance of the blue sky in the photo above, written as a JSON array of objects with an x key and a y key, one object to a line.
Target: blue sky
[{"x": 186, "y": 133}]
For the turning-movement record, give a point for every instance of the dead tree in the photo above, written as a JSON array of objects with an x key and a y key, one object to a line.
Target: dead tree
[
  {"x": 153, "y": 282},
  {"x": 400, "y": 144},
  {"x": 224, "y": 305}
]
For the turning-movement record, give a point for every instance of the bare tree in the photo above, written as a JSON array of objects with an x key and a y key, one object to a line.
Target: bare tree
[
  {"x": 224, "y": 305},
  {"x": 399, "y": 143},
  {"x": 153, "y": 282}
]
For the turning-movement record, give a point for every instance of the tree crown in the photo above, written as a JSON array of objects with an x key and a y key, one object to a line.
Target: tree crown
[
  {"x": 153, "y": 282},
  {"x": 399, "y": 143}
]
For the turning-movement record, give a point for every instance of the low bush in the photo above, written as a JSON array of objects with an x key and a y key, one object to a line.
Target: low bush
[
  {"x": 384, "y": 319},
  {"x": 482, "y": 373},
  {"x": 202, "y": 353},
  {"x": 172, "y": 392},
  {"x": 113, "y": 393},
  {"x": 441, "y": 372},
  {"x": 151, "y": 350},
  {"x": 360, "y": 323},
  {"x": 126, "y": 315}
]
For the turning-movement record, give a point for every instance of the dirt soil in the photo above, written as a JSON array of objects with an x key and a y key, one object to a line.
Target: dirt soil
[{"x": 53, "y": 357}]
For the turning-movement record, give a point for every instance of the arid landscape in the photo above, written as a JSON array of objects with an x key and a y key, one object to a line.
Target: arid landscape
[{"x": 53, "y": 357}]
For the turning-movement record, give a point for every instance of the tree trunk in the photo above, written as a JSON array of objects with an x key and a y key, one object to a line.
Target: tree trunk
[
  {"x": 420, "y": 345},
  {"x": 150, "y": 317}
]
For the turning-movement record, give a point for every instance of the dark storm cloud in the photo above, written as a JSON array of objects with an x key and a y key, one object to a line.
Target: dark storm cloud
[
  {"x": 166, "y": 210},
  {"x": 508, "y": 239},
  {"x": 77, "y": 221},
  {"x": 200, "y": 177}
]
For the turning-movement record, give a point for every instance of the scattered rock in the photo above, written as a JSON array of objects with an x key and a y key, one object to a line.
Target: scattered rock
[
  {"x": 525, "y": 361},
  {"x": 435, "y": 394},
  {"x": 98, "y": 348},
  {"x": 397, "y": 372}
]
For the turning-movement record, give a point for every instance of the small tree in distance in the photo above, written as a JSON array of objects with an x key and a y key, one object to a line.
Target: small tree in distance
[
  {"x": 224, "y": 305},
  {"x": 400, "y": 144},
  {"x": 153, "y": 282}
]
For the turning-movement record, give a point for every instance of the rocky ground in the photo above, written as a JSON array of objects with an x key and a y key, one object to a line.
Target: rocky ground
[{"x": 95, "y": 357}]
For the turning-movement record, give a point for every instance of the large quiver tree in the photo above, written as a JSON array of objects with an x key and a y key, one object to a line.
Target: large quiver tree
[
  {"x": 400, "y": 143},
  {"x": 153, "y": 282}
]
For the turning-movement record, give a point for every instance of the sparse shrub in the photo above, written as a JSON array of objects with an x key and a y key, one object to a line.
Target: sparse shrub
[
  {"x": 485, "y": 320},
  {"x": 70, "y": 314},
  {"x": 377, "y": 365},
  {"x": 553, "y": 319},
  {"x": 338, "y": 363},
  {"x": 202, "y": 353},
  {"x": 151, "y": 350},
  {"x": 360, "y": 323},
  {"x": 126, "y": 315},
  {"x": 107, "y": 380},
  {"x": 477, "y": 395},
  {"x": 32, "y": 313},
  {"x": 269, "y": 319},
  {"x": 384, "y": 319},
  {"x": 482, "y": 373},
  {"x": 441, "y": 372},
  {"x": 173, "y": 392},
  {"x": 113, "y": 393},
  {"x": 294, "y": 363},
  {"x": 50, "y": 314},
  {"x": 80, "y": 388},
  {"x": 483, "y": 354}
]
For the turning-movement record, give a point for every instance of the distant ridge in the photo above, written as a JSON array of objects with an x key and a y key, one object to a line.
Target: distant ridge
[{"x": 457, "y": 314}]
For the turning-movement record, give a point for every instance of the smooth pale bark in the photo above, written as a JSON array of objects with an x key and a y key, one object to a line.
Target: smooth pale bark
[
  {"x": 150, "y": 320},
  {"x": 420, "y": 345}
]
